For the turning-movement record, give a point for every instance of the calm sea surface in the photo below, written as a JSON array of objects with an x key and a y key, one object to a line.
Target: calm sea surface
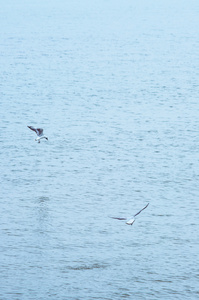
[{"x": 115, "y": 85}]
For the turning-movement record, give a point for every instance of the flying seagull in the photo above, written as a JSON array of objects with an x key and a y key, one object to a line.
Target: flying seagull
[
  {"x": 39, "y": 132},
  {"x": 132, "y": 220}
]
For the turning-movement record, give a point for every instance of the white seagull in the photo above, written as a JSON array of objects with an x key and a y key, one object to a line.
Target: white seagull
[
  {"x": 39, "y": 132},
  {"x": 132, "y": 220}
]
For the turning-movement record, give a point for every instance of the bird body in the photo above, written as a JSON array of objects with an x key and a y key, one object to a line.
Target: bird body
[
  {"x": 39, "y": 132},
  {"x": 130, "y": 222}
]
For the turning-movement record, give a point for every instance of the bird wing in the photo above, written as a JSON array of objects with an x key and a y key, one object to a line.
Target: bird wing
[
  {"x": 39, "y": 131},
  {"x": 118, "y": 218},
  {"x": 32, "y": 128},
  {"x": 141, "y": 210}
]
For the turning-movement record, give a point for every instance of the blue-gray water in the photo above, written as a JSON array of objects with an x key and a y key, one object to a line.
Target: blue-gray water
[{"x": 115, "y": 86}]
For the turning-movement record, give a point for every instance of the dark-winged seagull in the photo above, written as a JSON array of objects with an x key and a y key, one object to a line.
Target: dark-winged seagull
[
  {"x": 132, "y": 220},
  {"x": 39, "y": 132}
]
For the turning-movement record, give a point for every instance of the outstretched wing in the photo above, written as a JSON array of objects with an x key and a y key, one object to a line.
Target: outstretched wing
[
  {"x": 32, "y": 128},
  {"x": 118, "y": 218},
  {"x": 141, "y": 210},
  {"x": 38, "y": 131}
]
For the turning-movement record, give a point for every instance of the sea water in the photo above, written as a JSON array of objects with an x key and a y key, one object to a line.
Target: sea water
[{"x": 114, "y": 85}]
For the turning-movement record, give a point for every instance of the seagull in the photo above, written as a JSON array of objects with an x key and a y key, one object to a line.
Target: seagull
[
  {"x": 132, "y": 220},
  {"x": 39, "y": 132}
]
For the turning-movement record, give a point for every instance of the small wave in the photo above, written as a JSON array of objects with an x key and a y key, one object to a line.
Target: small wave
[{"x": 87, "y": 267}]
